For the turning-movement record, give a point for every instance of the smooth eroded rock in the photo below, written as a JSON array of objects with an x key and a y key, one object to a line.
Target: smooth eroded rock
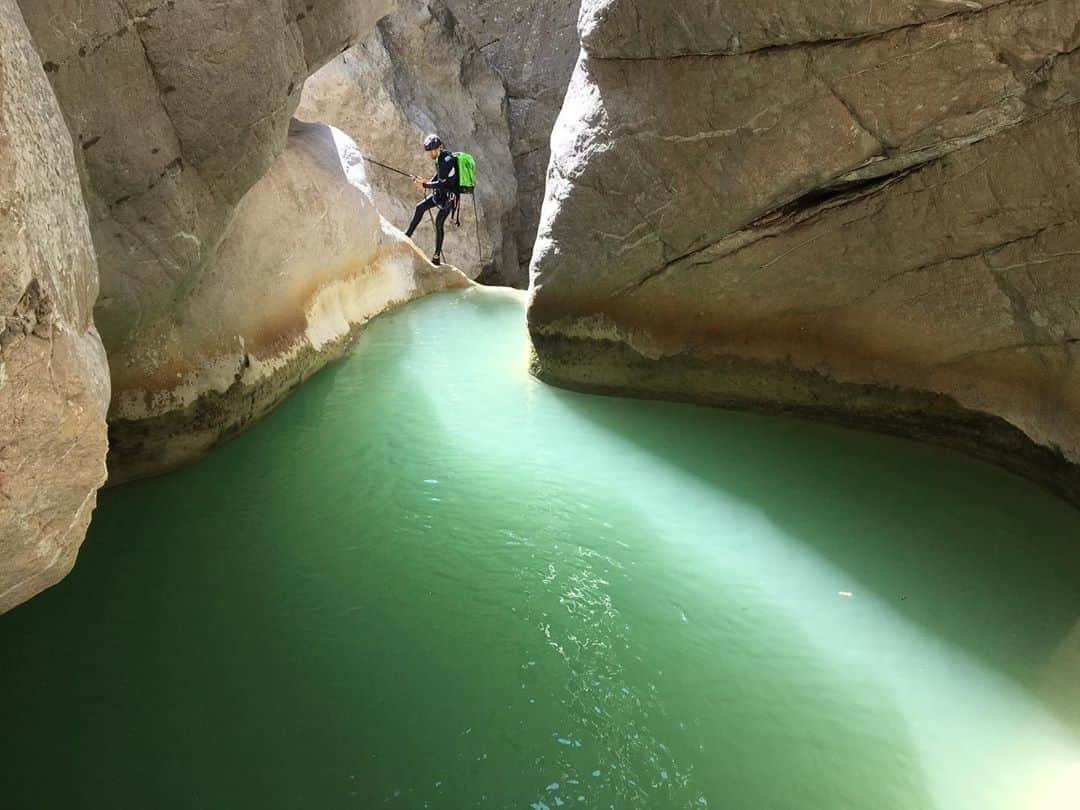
[
  {"x": 177, "y": 108},
  {"x": 880, "y": 231},
  {"x": 304, "y": 264},
  {"x": 54, "y": 383},
  {"x": 645, "y": 29}
]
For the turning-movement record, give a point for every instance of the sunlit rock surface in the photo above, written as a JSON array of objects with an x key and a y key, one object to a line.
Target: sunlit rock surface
[
  {"x": 533, "y": 44},
  {"x": 54, "y": 383},
  {"x": 643, "y": 29},
  {"x": 177, "y": 107},
  {"x": 304, "y": 263},
  {"x": 418, "y": 72},
  {"x": 870, "y": 217}
]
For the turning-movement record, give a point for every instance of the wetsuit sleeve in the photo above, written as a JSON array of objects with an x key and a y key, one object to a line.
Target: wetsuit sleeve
[{"x": 446, "y": 176}]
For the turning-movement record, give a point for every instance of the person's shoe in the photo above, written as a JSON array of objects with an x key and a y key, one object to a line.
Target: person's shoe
[{"x": 436, "y": 259}]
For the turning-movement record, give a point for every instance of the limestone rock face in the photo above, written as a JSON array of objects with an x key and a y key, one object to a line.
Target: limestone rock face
[
  {"x": 876, "y": 223},
  {"x": 533, "y": 44},
  {"x": 304, "y": 263},
  {"x": 54, "y": 383},
  {"x": 417, "y": 73},
  {"x": 177, "y": 107},
  {"x": 643, "y": 29}
]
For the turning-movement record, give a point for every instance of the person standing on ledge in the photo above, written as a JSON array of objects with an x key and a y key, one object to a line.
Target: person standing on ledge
[{"x": 444, "y": 189}]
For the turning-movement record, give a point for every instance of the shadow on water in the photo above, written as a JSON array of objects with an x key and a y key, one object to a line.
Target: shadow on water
[
  {"x": 346, "y": 607},
  {"x": 978, "y": 557}
]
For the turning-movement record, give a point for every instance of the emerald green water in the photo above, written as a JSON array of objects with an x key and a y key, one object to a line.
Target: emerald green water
[{"x": 431, "y": 581}]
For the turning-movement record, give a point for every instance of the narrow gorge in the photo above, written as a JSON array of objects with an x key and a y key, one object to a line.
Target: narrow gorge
[{"x": 359, "y": 531}]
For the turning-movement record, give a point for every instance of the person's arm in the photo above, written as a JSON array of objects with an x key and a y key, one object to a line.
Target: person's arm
[{"x": 444, "y": 177}]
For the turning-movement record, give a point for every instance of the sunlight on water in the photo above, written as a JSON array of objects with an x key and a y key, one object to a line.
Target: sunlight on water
[{"x": 431, "y": 581}]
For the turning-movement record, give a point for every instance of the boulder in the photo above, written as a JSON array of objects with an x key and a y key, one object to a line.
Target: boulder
[
  {"x": 873, "y": 223},
  {"x": 417, "y": 73},
  {"x": 54, "y": 381},
  {"x": 305, "y": 262}
]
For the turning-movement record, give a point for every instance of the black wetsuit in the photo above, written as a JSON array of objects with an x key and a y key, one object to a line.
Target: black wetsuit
[{"x": 444, "y": 186}]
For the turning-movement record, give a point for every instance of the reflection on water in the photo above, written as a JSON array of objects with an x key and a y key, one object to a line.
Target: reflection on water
[
  {"x": 607, "y": 751},
  {"x": 430, "y": 581}
]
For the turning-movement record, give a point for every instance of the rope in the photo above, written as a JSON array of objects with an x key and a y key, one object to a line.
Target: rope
[
  {"x": 431, "y": 219},
  {"x": 476, "y": 219},
  {"x": 390, "y": 168}
]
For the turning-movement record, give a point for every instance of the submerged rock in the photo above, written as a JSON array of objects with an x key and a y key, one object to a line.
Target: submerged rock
[
  {"x": 304, "y": 263},
  {"x": 876, "y": 223},
  {"x": 418, "y": 73},
  {"x": 54, "y": 383}
]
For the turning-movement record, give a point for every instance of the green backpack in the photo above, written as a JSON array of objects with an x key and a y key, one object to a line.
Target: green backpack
[{"x": 466, "y": 171}]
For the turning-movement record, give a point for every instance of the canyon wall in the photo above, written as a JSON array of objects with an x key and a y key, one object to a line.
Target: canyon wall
[
  {"x": 180, "y": 112},
  {"x": 533, "y": 44},
  {"x": 305, "y": 262},
  {"x": 421, "y": 71},
  {"x": 236, "y": 253},
  {"x": 178, "y": 107},
  {"x": 417, "y": 73},
  {"x": 860, "y": 212},
  {"x": 54, "y": 383}
]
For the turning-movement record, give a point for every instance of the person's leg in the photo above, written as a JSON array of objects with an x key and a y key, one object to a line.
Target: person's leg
[
  {"x": 440, "y": 230},
  {"x": 418, "y": 214}
]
